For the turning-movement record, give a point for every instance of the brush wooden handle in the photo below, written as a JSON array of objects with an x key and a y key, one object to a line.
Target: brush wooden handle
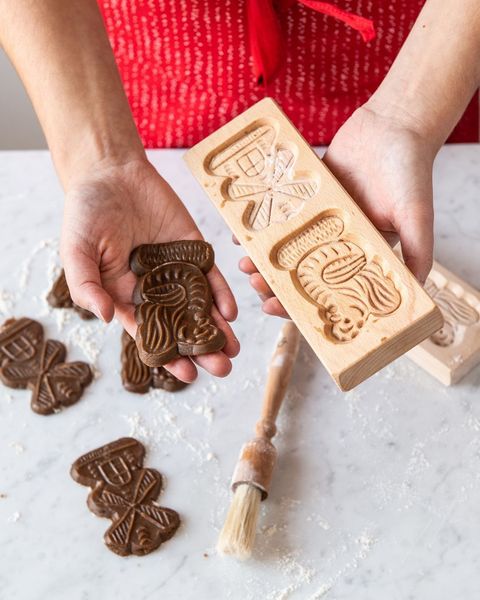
[
  {"x": 257, "y": 457},
  {"x": 279, "y": 372}
]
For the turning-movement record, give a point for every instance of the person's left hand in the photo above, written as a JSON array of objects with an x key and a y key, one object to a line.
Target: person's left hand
[{"x": 110, "y": 210}]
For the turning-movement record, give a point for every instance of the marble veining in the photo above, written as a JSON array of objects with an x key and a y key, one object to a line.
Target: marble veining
[{"x": 376, "y": 491}]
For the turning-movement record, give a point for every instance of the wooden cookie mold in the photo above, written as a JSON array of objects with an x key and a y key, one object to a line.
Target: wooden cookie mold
[
  {"x": 452, "y": 351},
  {"x": 355, "y": 303}
]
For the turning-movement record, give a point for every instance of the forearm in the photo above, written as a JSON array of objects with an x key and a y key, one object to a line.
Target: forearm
[
  {"x": 62, "y": 54},
  {"x": 436, "y": 72}
]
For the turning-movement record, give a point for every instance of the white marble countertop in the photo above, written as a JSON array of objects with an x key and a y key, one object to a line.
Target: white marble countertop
[{"x": 377, "y": 491}]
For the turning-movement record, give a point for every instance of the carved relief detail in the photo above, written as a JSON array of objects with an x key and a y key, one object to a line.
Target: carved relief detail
[
  {"x": 261, "y": 174},
  {"x": 456, "y": 313},
  {"x": 336, "y": 275},
  {"x": 126, "y": 492}
]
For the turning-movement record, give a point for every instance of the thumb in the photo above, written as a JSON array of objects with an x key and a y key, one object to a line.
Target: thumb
[
  {"x": 85, "y": 285},
  {"x": 415, "y": 228}
]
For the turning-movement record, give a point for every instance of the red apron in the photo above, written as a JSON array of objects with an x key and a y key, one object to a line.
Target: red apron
[{"x": 189, "y": 67}]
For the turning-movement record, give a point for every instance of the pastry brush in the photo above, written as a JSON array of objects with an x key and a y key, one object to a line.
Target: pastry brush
[{"x": 254, "y": 469}]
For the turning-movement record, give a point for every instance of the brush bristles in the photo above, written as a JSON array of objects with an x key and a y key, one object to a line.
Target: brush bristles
[{"x": 238, "y": 533}]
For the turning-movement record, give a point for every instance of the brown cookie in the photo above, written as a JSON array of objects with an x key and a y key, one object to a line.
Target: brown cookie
[
  {"x": 30, "y": 362},
  {"x": 59, "y": 297},
  {"x": 126, "y": 492},
  {"x": 20, "y": 339},
  {"x": 148, "y": 256},
  {"x": 174, "y": 301},
  {"x": 138, "y": 378}
]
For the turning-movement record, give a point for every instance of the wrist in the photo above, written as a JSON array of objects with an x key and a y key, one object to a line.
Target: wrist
[
  {"x": 407, "y": 114},
  {"x": 81, "y": 156}
]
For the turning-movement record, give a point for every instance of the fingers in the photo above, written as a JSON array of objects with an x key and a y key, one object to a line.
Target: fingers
[
  {"x": 232, "y": 345},
  {"x": 85, "y": 285},
  {"x": 235, "y": 240},
  {"x": 246, "y": 265},
  {"x": 415, "y": 229},
  {"x": 260, "y": 286},
  {"x": 257, "y": 281},
  {"x": 222, "y": 294},
  {"x": 216, "y": 363},
  {"x": 272, "y": 306},
  {"x": 183, "y": 369},
  {"x": 391, "y": 237},
  {"x": 125, "y": 313}
]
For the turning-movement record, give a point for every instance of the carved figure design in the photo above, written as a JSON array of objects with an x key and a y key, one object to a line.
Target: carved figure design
[
  {"x": 125, "y": 492},
  {"x": 456, "y": 312},
  {"x": 336, "y": 275},
  {"x": 174, "y": 301},
  {"x": 261, "y": 174}
]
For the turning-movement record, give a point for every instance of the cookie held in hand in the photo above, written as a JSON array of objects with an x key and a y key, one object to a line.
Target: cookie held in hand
[
  {"x": 59, "y": 297},
  {"x": 125, "y": 492},
  {"x": 27, "y": 361},
  {"x": 138, "y": 378},
  {"x": 174, "y": 301}
]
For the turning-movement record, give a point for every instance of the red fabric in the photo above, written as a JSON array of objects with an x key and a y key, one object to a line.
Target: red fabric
[
  {"x": 189, "y": 67},
  {"x": 364, "y": 26},
  {"x": 266, "y": 44}
]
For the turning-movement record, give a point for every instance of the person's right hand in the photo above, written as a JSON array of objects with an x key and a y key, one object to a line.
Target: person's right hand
[
  {"x": 107, "y": 214},
  {"x": 386, "y": 166}
]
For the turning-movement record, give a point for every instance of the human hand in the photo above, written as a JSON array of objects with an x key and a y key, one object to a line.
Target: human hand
[
  {"x": 108, "y": 214},
  {"x": 386, "y": 166}
]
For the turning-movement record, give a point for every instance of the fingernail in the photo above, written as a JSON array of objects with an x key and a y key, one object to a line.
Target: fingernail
[{"x": 93, "y": 308}]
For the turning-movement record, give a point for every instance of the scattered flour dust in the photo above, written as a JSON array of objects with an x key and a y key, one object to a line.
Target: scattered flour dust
[
  {"x": 320, "y": 521},
  {"x": 299, "y": 575},
  {"x": 162, "y": 427},
  {"x": 14, "y": 517},
  {"x": 205, "y": 411},
  {"x": 63, "y": 316},
  {"x": 365, "y": 543},
  {"x": 7, "y": 303},
  {"x": 19, "y": 448},
  {"x": 9, "y": 299},
  {"x": 85, "y": 337},
  {"x": 51, "y": 245}
]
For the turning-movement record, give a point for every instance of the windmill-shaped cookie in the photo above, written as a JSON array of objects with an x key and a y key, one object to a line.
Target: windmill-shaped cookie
[
  {"x": 28, "y": 361},
  {"x": 125, "y": 492}
]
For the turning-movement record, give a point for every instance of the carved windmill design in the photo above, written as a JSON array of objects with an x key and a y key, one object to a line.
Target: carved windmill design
[{"x": 260, "y": 173}]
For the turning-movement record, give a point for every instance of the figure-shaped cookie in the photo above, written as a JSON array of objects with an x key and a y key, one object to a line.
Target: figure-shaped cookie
[
  {"x": 30, "y": 362},
  {"x": 137, "y": 377},
  {"x": 59, "y": 297},
  {"x": 125, "y": 492},
  {"x": 174, "y": 301},
  {"x": 335, "y": 274}
]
